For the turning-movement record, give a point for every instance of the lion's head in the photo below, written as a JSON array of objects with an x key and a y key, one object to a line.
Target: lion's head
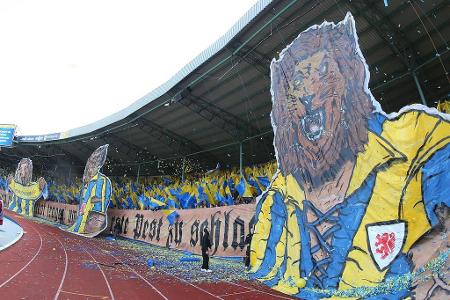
[
  {"x": 320, "y": 104},
  {"x": 94, "y": 163},
  {"x": 24, "y": 171}
]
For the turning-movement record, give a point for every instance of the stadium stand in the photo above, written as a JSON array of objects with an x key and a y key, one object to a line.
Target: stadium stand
[{"x": 215, "y": 188}]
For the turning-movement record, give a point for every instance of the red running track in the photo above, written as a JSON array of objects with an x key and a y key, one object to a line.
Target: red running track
[{"x": 48, "y": 263}]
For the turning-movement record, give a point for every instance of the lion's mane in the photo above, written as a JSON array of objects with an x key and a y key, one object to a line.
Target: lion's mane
[{"x": 340, "y": 43}]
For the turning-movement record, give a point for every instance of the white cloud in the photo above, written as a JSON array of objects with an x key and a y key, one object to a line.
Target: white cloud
[{"x": 68, "y": 63}]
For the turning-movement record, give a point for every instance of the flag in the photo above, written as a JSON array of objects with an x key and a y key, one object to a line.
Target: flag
[
  {"x": 171, "y": 203},
  {"x": 160, "y": 198},
  {"x": 229, "y": 200},
  {"x": 249, "y": 190},
  {"x": 45, "y": 192},
  {"x": 202, "y": 197},
  {"x": 213, "y": 170},
  {"x": 155, "y": 203},
  {"x": 244, "y": 188},
  {"x": 264, "y": 181},
  {"x": 240, "y": 187},
  {"x": 129, "y": 203},
  {"x": 171, "y": 215},
  {"x": 141, "y": 202},
  {"x": 220, "y": 199},
  {"x": 184, "y": 200},
  {"x": 254, "y": 184},
  {"x": 167, "y": 181}
]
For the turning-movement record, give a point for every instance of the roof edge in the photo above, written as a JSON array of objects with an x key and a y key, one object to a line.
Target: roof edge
[{"x": 160, "y": 90}]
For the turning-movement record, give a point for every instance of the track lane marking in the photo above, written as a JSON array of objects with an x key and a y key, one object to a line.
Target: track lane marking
[
  {"x": 237, "y": 293},
  {"x": 85, "y": 295},
  {"x": 103, "y": 273},
  {"x": 181, "y": 279},
  {"x": 197, "y": 287},
  {"x": 258, "y": 291},
  {"x": 31, "y": 260},
  {"x": 77, "y": 238},
  {"x": 136, "y": 273},
  {"x": 65, "y": 269}
]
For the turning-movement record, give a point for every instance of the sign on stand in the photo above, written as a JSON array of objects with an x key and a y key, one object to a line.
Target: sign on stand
[{"x": 6, "y": 134}]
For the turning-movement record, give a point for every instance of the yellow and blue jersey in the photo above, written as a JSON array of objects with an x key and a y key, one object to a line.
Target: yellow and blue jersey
[
  {"x": 99, "y": 187},
  {"x": 23, "y": 197},
  {"x": 21, "y": 206},
  {"x": 398, "y": 180}
]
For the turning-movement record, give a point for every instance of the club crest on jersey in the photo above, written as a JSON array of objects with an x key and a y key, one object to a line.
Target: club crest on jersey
[{"x": 385, "y": 241}]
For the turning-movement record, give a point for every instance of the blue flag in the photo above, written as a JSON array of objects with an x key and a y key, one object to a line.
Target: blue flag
[
  {"x": 240, "y": 187},
  {"x": 202, "y": 197},
  {"x": 130, "y": 204},
  {"x": 171, "y": 215},
  {"x": 264, "y": 181},
  {"x": 220, "y": 199},
  {"x": 229, "y": 200},
  {"x": 254, "y": 184}
]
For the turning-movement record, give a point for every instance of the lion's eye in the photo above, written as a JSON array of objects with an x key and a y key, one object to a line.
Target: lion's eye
[
  {"x": 298, "y": 79},
  {"x": 323, "y": 70}
]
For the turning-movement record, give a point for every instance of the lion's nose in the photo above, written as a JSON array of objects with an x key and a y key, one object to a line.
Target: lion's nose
[{"x": 306, "y": 100}]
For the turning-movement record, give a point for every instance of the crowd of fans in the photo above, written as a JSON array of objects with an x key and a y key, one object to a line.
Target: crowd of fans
[{"x": 215, "y": 188}]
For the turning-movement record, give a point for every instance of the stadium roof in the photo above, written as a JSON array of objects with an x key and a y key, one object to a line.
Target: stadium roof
[{"x": 221, "y": 99}]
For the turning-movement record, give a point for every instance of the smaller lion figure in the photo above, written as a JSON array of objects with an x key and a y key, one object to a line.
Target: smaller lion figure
[
  {"x": 25, "y": 193},
  {"x": 95, "y": 197}
]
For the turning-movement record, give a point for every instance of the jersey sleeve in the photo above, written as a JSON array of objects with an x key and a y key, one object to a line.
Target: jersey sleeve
[{"x": 436, "y": 182}]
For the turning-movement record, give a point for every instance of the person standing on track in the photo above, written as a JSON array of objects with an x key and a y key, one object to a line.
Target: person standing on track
[
  {"x": 170, "y": 237},
  {"x": 61, "y": 216},
  {"x": 206, "y": 246},
  {"x": 248, "y": 241},
  {"x": 117, "y": 228}
]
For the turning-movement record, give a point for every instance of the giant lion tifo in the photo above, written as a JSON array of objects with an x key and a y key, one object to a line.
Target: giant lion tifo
[{"x": 356, "y": 190}]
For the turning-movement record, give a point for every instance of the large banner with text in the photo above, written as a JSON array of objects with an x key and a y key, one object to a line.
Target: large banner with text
[
  {"x": 228, "y": 226},
  {"x": 57, "y": 212}
]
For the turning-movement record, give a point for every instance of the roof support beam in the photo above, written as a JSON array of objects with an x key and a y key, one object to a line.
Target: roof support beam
[
  {"x": 419, "y": 89},
  {"x": 139, "y": 151},
  {"x": 73, "y": 158},
  {"x": 387, "y": 59},
  {"x": 19, "y": 152},
  {"x": 235, "y": 127},
  {"x": 271, "y": 53},
  {"x": 38, "y": 156},
  {"x": 431, "y": 57},
  {"x": 7, "y": 160},
  {"x": 264, "y": 90},
  {"x": 255, "y": 59},
  {"x": 91, "y": 149},
  {"x": 395, "y": 39},
  {"x": 407, "y": 27},
  {"x": 182, "y": 145},
  {"x": 169, "y": 138}
]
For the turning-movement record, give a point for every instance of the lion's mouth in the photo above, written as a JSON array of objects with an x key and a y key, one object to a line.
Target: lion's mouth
[{"x": 313, "y": 124}]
